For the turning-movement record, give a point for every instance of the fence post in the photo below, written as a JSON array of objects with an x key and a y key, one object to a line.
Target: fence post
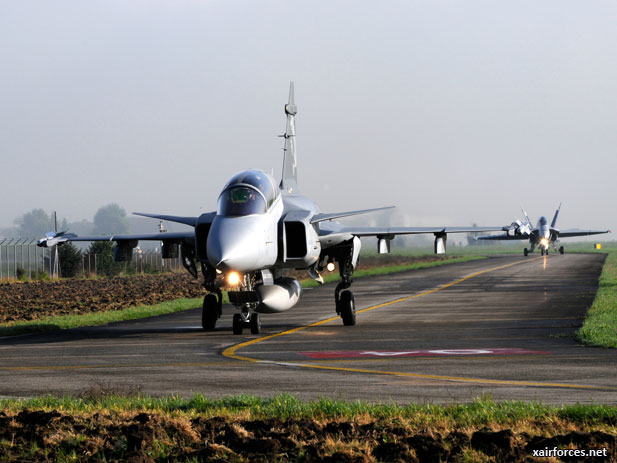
[
  {"x": 29, "y": 267},
  {"x": 1, "y": 243}
]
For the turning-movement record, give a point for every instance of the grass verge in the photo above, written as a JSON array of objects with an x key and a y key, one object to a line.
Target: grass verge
[
  {"x": 481, "y": 412},
  {"x": 64, "y": 322},
  {"x": 600, "y": 326},
  {"x": 246, "y": 429}
]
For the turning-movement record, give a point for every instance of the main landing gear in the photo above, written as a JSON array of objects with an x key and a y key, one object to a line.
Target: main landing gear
[
  {"x": 343, "y": 298},
  {"x": 346, "y": 308},
  {"x": 561, "y": 250},
  {"x": 213, "y": 302}
]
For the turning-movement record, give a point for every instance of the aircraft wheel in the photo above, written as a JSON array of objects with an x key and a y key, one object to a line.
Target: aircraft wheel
[
  {"x": 561, "y": 250},
  {"x": 347, "y": 308},
  {"x": 237, "y": 323},
  {"x": 546, "y": 251},
  {"x": 542, "y": 251},
  {"x": 526, "y": 252},
  {"x": 255, "y": 324},
  {"x": 209, "y": 312}
]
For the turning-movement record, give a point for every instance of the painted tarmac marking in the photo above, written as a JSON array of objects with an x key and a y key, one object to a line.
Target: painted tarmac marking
[
  {"x": 334, "y": 354},
  {"x": 231, "y": 352}
]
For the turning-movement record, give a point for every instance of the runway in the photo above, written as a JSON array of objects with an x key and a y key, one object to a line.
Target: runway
[{"x": 501, "y": 327}]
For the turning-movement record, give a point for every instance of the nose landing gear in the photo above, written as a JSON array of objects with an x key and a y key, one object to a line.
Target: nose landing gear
[{"x": 246, "y": 319}]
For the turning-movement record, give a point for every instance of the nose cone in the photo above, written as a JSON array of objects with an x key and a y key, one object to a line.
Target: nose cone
[{"x": 235, "y": 243}]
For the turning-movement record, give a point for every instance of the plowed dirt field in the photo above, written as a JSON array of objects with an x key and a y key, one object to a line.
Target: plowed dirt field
[{"x": 37, "y": 299}]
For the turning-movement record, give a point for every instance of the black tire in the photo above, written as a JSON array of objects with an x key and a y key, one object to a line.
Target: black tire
[
  {"x": 210, "y": 312},
  {"x": 561, "y": 250},
  {"x": 542, "y": 251},
  {"x": 237, "y": 323},
  {"x": 255, "y": 324},
  {"x": 347, "y": 308},
  {"x": 526, "y": 252}
]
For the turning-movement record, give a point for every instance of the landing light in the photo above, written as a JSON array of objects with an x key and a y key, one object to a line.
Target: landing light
[
  {"x": 233, "y": 278},
  {"x": 544, "y": 242},
  {"x": 330, "y": 266}
]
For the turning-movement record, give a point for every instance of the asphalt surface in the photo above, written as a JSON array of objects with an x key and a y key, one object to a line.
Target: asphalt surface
[{"x": 501, "y": 327}]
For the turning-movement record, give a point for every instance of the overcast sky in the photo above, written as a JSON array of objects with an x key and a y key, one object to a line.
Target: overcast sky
[{"x": 454, "y": 111}]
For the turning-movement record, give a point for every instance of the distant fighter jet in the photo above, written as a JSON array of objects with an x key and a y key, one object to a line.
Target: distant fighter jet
[
  {"x": 542, "y": 235},
  {"x": 259, "y": 231}
]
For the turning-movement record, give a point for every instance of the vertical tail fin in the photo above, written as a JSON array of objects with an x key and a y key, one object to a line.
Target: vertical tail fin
[
  {"x": 526, "y": 216},
  {"x": 555, "y": 217},
  {"x": 289, "y": 181}
]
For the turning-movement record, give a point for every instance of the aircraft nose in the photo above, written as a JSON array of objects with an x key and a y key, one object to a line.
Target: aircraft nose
[{"x": 233, "y": 244}]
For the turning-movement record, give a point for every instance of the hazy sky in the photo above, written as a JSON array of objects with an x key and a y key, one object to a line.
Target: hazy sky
[{"x": 453, "y": 111}]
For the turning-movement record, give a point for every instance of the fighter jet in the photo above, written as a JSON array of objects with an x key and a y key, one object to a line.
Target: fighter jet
[
  {"x": 542, "y": 235},
  {"x": 260, "y": 230}
]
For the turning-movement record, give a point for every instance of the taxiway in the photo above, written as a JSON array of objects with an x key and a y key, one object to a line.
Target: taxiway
[{"x": 502, "y": 327}]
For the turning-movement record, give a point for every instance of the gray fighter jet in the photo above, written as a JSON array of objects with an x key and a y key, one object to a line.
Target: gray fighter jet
[
  {"x": 260, "y": 230},
  {"x": 542, "y": 235}
]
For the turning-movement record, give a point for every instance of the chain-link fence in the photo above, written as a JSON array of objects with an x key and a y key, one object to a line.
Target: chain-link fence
[{"x": 21, "y": 258}]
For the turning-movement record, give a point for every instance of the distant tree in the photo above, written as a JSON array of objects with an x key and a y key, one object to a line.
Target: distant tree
[
  {"x": 36, "y": 223},
  {"x": 110, "y": 220},
  {"x": 105, "y": 264},
  {"x": 81, "y": 228},
  {"x": 70, "y": 260}
]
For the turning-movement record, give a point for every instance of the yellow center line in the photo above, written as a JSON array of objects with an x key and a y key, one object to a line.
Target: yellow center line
[{"x": 231, "y": 352}]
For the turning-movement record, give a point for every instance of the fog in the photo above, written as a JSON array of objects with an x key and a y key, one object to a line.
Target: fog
[{"x": 455, "y": 112}]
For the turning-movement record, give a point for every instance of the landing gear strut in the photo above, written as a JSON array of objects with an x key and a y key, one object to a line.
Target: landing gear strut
[{"x": 213, "y": 302}]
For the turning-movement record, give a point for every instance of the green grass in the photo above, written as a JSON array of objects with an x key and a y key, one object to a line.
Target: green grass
[
  {"x": 481, "y": 412},
  {"x": 600, "y": 326}
]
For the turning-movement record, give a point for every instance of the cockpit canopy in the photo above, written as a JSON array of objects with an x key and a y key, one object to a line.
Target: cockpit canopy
[
  {"x": 249, "y": 192},
  {"x": 542, "y": 221}
]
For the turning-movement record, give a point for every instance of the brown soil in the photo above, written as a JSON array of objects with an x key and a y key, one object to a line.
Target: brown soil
[
  {"x": 37, "y": 299},
  {"x": 36, "y": 435}
]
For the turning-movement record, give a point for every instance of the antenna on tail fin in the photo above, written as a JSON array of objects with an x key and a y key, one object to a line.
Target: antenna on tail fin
[{"x": 289, "y": 181}]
